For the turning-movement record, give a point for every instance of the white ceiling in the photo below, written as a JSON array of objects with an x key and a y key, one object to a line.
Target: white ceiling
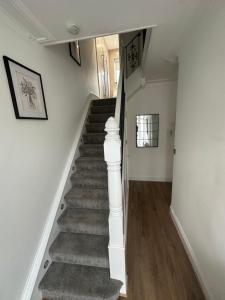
[
  {"x": 112, "y": 41},
  {"x": 49, "y": 19}
]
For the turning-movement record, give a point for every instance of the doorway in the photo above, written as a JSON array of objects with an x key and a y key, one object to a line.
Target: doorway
[{"x": 107, "y": 53}]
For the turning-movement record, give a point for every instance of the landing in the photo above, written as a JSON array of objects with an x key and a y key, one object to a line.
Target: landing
[{"x": 158, "y": 267}]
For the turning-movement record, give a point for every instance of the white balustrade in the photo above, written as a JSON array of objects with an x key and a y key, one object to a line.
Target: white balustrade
[{"x": 112, "y": 154}]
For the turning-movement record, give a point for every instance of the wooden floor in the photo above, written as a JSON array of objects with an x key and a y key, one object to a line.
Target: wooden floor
[{"x": 158, "y": 267}]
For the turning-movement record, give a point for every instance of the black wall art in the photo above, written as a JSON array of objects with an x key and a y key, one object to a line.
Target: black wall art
[
  {"x": 26, "y": 91},
  {"x": 74, "y": 48}
]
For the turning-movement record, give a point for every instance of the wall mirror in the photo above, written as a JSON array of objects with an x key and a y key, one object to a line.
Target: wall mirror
[{"x": 147, "y": 130}]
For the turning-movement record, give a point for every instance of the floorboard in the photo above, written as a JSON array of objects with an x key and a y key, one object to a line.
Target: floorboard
[{"x": 158, "y": 267}]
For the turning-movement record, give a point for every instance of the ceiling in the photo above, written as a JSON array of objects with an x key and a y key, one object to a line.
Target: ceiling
[{"x": 47, "y": 21}]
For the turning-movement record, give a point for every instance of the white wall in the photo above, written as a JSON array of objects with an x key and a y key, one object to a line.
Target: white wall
[
  {"x": 199, "y": 172},
  {"x": 33, "y": 153},
  {"x": 153, "y": 163}
]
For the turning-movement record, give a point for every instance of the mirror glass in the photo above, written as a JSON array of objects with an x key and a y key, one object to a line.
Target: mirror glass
[{"x": 147, "y": 130}]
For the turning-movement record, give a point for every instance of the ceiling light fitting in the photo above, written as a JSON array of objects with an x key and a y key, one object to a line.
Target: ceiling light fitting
[{"x": 73, "y": 29}]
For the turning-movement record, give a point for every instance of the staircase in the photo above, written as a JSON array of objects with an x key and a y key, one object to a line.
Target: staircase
[{"x": 80, "y": 264}]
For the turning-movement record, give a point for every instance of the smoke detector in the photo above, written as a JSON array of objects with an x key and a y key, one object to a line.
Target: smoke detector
[{"x": 73, "y": 29}]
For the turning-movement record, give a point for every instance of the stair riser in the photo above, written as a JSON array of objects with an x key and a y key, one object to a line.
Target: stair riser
[
  {"x": 101, "y": 194},
  {"x": 89, "y": 174},
  {"x": 51, "y": 296},
  {"x": 94, "y": 139},
  {"x": 92, "y": 182},
  {"x": 111, "y": 101},
  {"x": 102, "y": 109},
  {"x": 85, "y": 261},
  {"x": 95, "y": 166},
  {"x": 88, "y": 203},
  {"x": 93, "y": 152},
  {"x": 94, "y": 128},
  {"x": 86, "y": 230},
  {"x": 100, "y": 175},
  {"x": 99, "y": 118}
]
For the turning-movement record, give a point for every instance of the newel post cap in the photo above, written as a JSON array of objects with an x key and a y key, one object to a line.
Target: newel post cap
[
  {"x": 112, "y": 144},
  {"x": 111, "y": 124}
]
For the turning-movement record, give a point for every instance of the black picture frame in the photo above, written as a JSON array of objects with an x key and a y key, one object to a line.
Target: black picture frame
[
  {"x": 133, "y": 54},
  {"x": 18, "y": 113},
  {"x": 75, "y": 55}
]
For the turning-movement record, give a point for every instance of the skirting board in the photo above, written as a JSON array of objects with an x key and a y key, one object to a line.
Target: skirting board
[
  {"x": 150, "y": 178},
  {"x": 191, "y": 255},
  {"x": 33, "y": 273}
]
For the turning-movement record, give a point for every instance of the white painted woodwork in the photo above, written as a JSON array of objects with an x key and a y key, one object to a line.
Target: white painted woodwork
[
  {"x": 117, "y": 189},
  {"x": 125, "y": 179},
  {"x": 119, "y": 92},
  {"x": 112, "y": 154}
]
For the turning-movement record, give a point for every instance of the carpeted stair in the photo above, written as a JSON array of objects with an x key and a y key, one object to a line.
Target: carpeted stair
[{"x": 80, "y": 265}]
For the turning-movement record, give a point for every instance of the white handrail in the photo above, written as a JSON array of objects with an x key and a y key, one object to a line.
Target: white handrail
[{"x": 119, "y": 92}]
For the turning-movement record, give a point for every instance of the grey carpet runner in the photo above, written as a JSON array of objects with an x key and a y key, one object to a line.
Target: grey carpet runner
[{"x": 80, "y": 264}]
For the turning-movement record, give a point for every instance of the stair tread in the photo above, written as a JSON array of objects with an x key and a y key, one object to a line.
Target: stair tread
[
  {"x": 90, "y": 198},
  {"x": 80, "y": 193},
  {"x": 99, "y": 146},
  {"x": 95, "y": 127},
  {"x": 95, "y": 134},
  {"x": 94, "y": 158},
  {"x": 99, "y": 118},
  {"x": 94, "y": 138},
  {"x": 95, "y": 124},
  {"x": 80, "y": 249},
  {"x": 92, "y": 163},
  {"x": 101, "y": 114},
  {"x": 91, "y": 159},
  {"x": 91, "y": 221},
  {"x": 82, "y": 281},
  {"x": 98, "y": 174},
  {"x": 90, "y": 180},
  {"x": 90, "y": 174},
  {"x": 101, "y": 109},
  {"x": 108, "y": 105},
  {"x": 91, "y": 150},
  {"x": 88, "y": 203}
]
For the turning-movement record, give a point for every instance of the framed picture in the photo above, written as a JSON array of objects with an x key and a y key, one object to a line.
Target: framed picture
[
  {"x": 147, "y": 131},
  {"x": 26, "y": 91},
  {"x": 74, "y": 48}
]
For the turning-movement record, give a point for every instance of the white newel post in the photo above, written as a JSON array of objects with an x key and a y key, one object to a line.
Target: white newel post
[{"x": 112, "y": 154}]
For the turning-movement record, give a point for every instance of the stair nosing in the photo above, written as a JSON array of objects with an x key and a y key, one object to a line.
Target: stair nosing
[
  {"x": 100, "y": 231},
  {"x": 70, "y": 256},
  {"x": 68, "y": 288}
]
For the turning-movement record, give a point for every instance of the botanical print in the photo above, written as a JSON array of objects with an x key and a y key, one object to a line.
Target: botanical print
[{"x": 26, "y": 91}]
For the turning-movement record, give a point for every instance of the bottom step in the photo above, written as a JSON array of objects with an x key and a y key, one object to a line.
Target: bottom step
[{"x": 76, "y": 282}]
